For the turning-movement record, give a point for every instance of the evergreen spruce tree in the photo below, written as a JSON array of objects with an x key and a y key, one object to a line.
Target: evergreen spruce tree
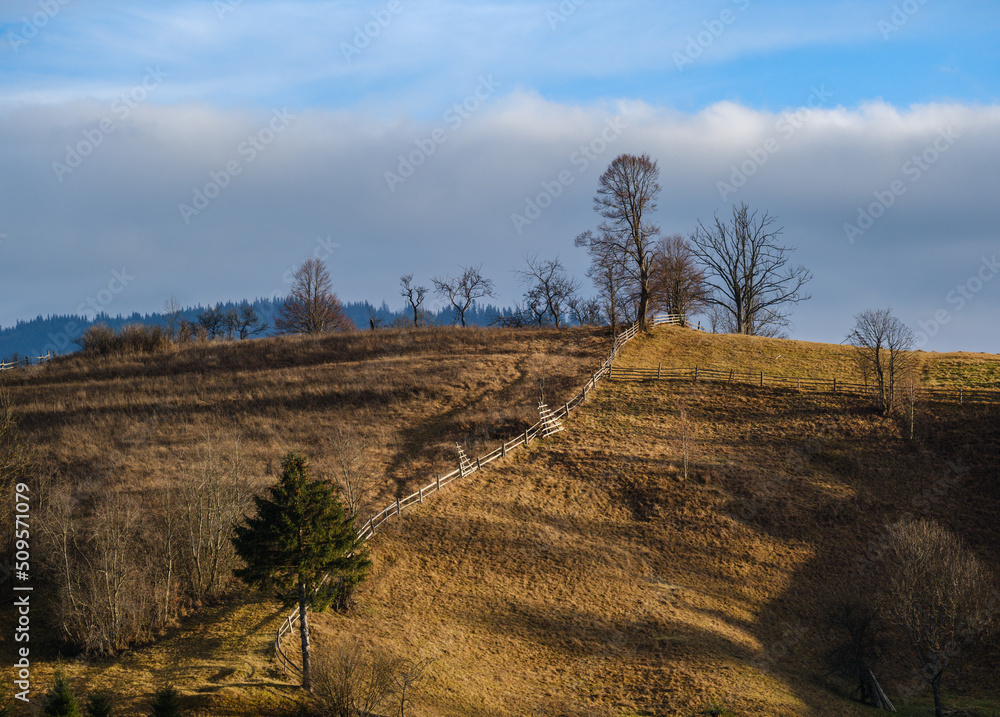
[
  {"x": 100, "y": 704},
  {"x": 299, "y": 536},
  {"x": 59, "y": 700},
  {"x": 166, "y": 702}
]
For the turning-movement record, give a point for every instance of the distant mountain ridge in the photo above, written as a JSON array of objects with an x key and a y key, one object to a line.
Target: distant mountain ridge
[{"x": 58, "y": 333}]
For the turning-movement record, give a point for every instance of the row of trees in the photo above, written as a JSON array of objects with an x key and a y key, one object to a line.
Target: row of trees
[{"x": 736, "y": 269}]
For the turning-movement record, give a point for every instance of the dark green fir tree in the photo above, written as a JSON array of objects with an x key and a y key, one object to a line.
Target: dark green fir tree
[{"x": 301, "y": 545}]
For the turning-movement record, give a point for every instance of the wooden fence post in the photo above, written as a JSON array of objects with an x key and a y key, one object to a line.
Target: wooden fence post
[
  {"x": 834, "y": 384},
  {"x": 503, "y": 449},
  {"x": 397, "y": 506},
  {"x": 659, "y": 367},
  {"x": 731, "y": 375},
  {"x": 695, "y": 373},
  {"x": 421, "y": 495},
  {"x": 439, "y": 483},
  {"x": 479, "y": 466},
  {"x": 761, "y": 378}
]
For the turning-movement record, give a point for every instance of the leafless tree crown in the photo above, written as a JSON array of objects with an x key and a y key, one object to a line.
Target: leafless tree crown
[
  {"x": 464, "y": 289},
  {"x": 622, "y": 247},
  {"x": 311, "y": 306},
  {"x": 883, "y": 352},
  {"x": 550, "y": 289},
  {"x": 748, "y": 271},
  {"x": 413, "y": 294},
  {"x": 938, "y": 593},
  {"x": 677, "y": 283}
]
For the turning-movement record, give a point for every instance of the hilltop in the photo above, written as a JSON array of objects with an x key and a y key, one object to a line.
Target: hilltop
[{"x": 584, "y": 576}]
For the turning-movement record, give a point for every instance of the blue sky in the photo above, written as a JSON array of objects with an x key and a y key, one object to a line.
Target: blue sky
[{"x": 315, "y": 103}]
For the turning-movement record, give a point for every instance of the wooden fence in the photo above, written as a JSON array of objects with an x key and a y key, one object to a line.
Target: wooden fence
[
  {"x": 829, "y": 385},
  {"x": 26, "y": 361},
  {"x": 467, "y": 467}
]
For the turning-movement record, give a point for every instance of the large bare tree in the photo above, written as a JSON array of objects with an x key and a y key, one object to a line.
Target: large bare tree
[
  {"x": 938, "y": 593},
  {"x": 464, "y": 289},
  {"x": 748, "y": 270},
  {"x": 883, "y": 350},
  {"x": 311, "y": 306},
  {"x": 626, "y": 199},
  {"x": 550, "y": 288},
  {"x": 677, "y": 283}
]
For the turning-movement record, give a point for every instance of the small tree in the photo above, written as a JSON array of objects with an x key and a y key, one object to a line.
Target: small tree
[
  {"x": 607, "y": 271},
  {"x": 311, "y": 306},
  {"x": 677, "y": 283},
  {"x": 938, "y": 593},
  {"x": 461, "y": 291},
  {"x": 166, "y": 702},
  {"x": 59, "y": 700},
  {"x": 213, "y": 320},
  {"x": 172, "y": 313},
  {"x": 413, "y": 294},
  {"x": 302, "y": 545},
  {"x": 100, "y": 704},
  {"x": 550, "y": 288},
  {"x": 883, "y": 351}
]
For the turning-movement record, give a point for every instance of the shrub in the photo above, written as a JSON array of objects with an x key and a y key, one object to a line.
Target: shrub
[
  {"x": 717, "y": 709},
  {"x": 102, "y": 340}
]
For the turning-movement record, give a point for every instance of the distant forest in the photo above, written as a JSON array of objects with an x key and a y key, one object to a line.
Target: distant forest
[{"x": 58, "y": 333}]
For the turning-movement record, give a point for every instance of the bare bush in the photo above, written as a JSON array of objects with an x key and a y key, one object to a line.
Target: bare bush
[
  {"x": 350, "y": 680},
  {"x": 102, "y": 340},
  {"x": 211, "y": 503}
]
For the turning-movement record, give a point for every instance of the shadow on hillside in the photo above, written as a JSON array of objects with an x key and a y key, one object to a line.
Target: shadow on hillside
[{"x": 888, "y": 478}]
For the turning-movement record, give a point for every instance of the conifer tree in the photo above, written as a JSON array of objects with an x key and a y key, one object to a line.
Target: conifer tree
[
  {"x": 100, "y": 704},
  {"x": 302, "y": 545},
  {"x": 59, "y": 700},
  {"x": 167, "y": 702}
]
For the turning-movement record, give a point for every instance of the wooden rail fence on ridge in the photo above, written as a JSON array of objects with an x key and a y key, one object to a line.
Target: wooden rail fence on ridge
[
  {"x": 759, "y": 378},
  {"x": 465, "y": 469},
  {"x": 25, "y": 362}
]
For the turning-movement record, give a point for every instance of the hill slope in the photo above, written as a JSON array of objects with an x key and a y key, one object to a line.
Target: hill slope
[{"x": 586, "y": 575}]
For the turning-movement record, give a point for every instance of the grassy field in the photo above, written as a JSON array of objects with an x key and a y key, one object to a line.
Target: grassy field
[{"x": 587, "y": 575}]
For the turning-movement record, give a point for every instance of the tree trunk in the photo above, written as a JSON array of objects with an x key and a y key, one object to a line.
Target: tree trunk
[
  {"x": 936, "y": 688},
  {"x": 304, "y": 633}
]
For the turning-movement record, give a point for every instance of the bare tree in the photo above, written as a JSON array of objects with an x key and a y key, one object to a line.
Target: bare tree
[
  {"x": 938, "y": 593},
  {"x": 626, "y": 197},
  {"x": 586, "y": 312},
  {"x": 608, "y": 274},
  {"x": 212, "y": 503},
  {"x": 213, "y": 321},
  {"x": 748, "y": 271},
  {"x": 172, "y": 313},
  {"x": 461, "y": 291},
  {"x": 247, "y": 322},
  {"x": 550, "y": 288},
  {"x": 353, "y": 470},
  {"x": 413, "y": 294},
  {"x": 311, "y": 306},
  {"x": 883, "y": 351},
  {"x": 350, "y": 681},
  {"x": 14, "y": 463},
  {"x": 677, "y": 284}
]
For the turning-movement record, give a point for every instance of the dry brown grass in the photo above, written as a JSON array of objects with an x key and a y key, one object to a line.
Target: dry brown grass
[{"x": 583, "y": 576}]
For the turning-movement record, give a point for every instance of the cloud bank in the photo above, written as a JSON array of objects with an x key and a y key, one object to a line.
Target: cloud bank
[{"x": 887, "y": 206}]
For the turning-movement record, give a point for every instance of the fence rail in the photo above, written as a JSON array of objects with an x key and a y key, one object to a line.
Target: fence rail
[
  {"x": 396, "y": 508},
  {"x": 25, "y": 362},
  {"x": 979, "y": 394}
]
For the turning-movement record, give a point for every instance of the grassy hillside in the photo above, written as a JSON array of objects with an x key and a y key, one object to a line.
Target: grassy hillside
[{"x": 586, "y": 575}]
